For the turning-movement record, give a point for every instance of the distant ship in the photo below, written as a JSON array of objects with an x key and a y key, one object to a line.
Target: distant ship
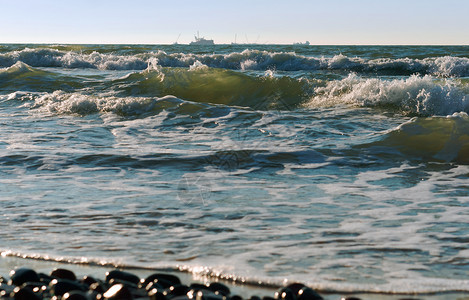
[
  {"x": 305, "y": 43},
  {"x": 201, "y": 41}
]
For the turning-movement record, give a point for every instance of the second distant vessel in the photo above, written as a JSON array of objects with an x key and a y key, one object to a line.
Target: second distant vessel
[{"x": 201, "y": 41}]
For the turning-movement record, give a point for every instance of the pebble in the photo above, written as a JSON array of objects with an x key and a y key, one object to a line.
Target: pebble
[{"x": 63, "y": 284}]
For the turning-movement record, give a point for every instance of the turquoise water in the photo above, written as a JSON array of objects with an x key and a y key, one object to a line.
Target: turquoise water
[{"x": 342, "y": 167}]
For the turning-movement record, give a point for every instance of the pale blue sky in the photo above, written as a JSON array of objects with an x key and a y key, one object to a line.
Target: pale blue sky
[{"x": 272, "y": 21}]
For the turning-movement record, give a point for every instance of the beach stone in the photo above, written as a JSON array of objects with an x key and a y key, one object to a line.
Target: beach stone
[
  {"x": 46, "y": 279},
  {"x": 117, "y": 274},
  {"x": 22, "y": 275},
  {"x": 76, "y": 295},
  {"x": 155, "y": 285},
  {"x": 154, "y": 294},
  {"x": 198, "y": 286},
  {"x": 118, "y": 292},
  {"x": 267, "y": 298},
  {"x": 61, "y": 286},
  {"x": 63, "y": 274},
  {"x": 285, "y": 294},
  {"x": 24, "y": 293},
  {"x": 88, "y": 280},
  {"x": 3, "y": 280},
  {"x": 219, "y": 287},
  {"x": 98, "y": 288},
  {"x": 295, "y": 287},
  {"x": 254, "y": 297},
  {"x": 236, "y": 297},
  {"x": 166, "y": 280},
  {"x": 209, "y": 295},
  {"x": 350, "y": 298},
  {"x": 128, "y": 284},
  {"x": 176, "y": 290},
  {"x": 307, "y": 293},
  {"x": 7, "y": 288}
]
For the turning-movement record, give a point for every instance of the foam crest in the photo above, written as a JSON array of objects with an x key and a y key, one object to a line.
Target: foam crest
[
  {"x": 446, "y": 66},
  {"x": 415, "y": 95},
  {"x": 60, "y": 102}
]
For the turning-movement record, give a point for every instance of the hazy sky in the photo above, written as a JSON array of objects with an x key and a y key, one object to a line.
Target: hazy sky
[{"x": 263, "y": 21}]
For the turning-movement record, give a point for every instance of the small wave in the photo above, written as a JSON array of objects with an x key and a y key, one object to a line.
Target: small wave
[
  {"x": 60, "y": 102},
  {"x": 415, "y": 95},
  {"x": 446, "y": 66},
  {"x": 436, "y": 138},
  {"x": 202, "y": 84}
]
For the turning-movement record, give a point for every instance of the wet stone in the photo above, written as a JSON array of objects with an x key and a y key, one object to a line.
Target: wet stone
[
  {"x": 154, "y": 294},
  {"x": 76, "y": 295},
  {"x": 61, "y": 286},
  {"x": 7, "y": 288},
  {"x": 236, "y": 297},
  {"x": 88, "y": 280},
  {"x": 118, "y": 292},
  {"x": 63, "y": 274},
  {"x": 307, "y": 293},
  {"x": 285, "y": 294},
  {"x": 117, "y": 274},
  {"x": 176, "y": 290},
  {"x": 22, "y": 275},
  {"x": 166, "y": 280},
  {"x": 219, "y": 287},
  {"x": 24, "y": 293},
  {"x": 295, "y": 287},
  {"x": 254, "y": 297},
  {"x": 46, "y": 279},
  {"x": 209, "y": 295}
]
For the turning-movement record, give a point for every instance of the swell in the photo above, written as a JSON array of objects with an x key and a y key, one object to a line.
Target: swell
[
  {"x": 438, "y": 139},
  {"x": 156, "y": 88},
  {"x": 446, "y": 66}
]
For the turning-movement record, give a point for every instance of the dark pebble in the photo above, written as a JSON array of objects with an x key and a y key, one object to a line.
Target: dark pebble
[
  {"x": 176, "y": 290},
  {"x": 166, "y": 280},
  {"x": 22, "y": 275},
  {"x": 76, "y": 295},
  {"x": 307, "y": 293},
  {"x": 117, "y": 274},
  {"x": 7, "y": 288},
  {"x": 209, "y": 295},
  {"x": 155, "y": 285},
  {"x": 198, "y": 286},
  {"x": 236, "y": 297},
  {"x": 46, "y": 279},
  {"x": 350, "y": 298},
  {"x": 24, "y": 293},
  {"x": 268, "y": 298},
  {"x": 128, "y": 284},
  {"x": 118, "y": 292},
  {"x": 285, "y": 294},
  {"x": 219, "y": 287},
  {"x": 88, "y": 280},
  {"x": 154, "y": 294},
  {"x": 63, "y": 274},
  {"x": 295, "y": 287},
  {"x": 255, "y": 298},
  {"x": 61, "y": 286}
]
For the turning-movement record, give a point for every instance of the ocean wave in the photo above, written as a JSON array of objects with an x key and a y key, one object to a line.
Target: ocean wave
[
  {"x": 416, "y": 95},
  {"x": 443, "y": 139},
  {"x": 202, "y": 84},
  {"x": 60, "y": 102},
  {"x": 446, "y": 66}
]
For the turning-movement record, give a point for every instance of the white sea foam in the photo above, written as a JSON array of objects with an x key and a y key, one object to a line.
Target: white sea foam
[
  {"x": 245, "y": 60},
  {"x": 414, "y": 95},
  {"x": 60, "y": 102}
]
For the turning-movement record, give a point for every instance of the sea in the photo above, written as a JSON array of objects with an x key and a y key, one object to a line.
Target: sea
[{"x": 342, "y": 167}]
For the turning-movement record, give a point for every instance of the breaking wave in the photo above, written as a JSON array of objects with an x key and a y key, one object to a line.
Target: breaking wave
[
  {"x": 415, "y": 95},
  {"x": 446, "y": 66}
]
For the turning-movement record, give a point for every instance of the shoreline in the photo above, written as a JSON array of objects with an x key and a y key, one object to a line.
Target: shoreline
[{"x": 8, "y": 263}]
